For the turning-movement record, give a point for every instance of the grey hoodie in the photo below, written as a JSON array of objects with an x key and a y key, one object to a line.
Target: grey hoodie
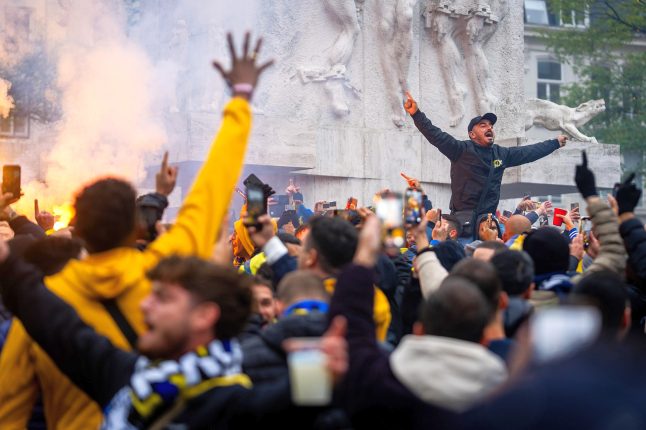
[{"x": 447, "y": 372}]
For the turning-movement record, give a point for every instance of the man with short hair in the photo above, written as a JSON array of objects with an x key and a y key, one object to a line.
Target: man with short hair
[
  {"x": 515, "y": 225},
  {"x": 301, "y": 305},
  {"x": 485, "y": 250},
  {"x": 448, "y": 229},
  {"x": 477, "y": 164},
  {"x": 328, "y": 247},
  {"x": 516, "y": 272},
  {"x": 483, "y": 274},
  {"x": 107, "y": 287},
  {"x": 189, "y": 373},
  {"x": 442, "y": 367}
]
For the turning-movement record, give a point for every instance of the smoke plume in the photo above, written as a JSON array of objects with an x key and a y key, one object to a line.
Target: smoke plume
[{"x": 6, "y": 101}]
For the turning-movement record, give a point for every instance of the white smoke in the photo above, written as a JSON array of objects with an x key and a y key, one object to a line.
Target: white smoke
[
  {"x": 111, "y": 98},
  {"x": 6, "y": 101}
]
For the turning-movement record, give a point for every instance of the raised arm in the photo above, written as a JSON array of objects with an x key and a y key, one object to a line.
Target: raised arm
[
  {"x": 518, "y": 155},
  {"x": 447, "y": 144},
  {"x": 87, "y": 358},
  {"x": 612, "y": 254},
  {"x": 201, "y": 214}
]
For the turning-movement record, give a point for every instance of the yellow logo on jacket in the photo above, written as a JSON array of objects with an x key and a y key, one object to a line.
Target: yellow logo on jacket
[{"x": 497, "y": 163}]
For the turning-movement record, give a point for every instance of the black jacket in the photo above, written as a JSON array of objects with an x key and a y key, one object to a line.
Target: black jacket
[
  {"x": 265, "y": 359},
  {"x": 634, "y": 236},
  {"x": 470, "y": 164},
  {"x": 371, "y": 394},
  {"x": 101, "y": 370}
]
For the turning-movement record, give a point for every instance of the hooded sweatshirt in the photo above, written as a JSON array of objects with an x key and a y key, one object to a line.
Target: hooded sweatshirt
[
  {"x": 446, "y": 372},
  {"x": 119, "y": 274}
]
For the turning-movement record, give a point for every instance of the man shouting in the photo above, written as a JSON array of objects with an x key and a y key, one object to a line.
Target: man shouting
[{"x": 477, "y": 164}]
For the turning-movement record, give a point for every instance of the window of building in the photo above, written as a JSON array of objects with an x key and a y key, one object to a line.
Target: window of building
[
  {"x": 15, "y": 125},
  {"x": 537, "y": 13},
  {"x": 548, "y": 86}
]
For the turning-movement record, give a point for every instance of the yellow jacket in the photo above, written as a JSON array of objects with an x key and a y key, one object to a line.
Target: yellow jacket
[
  {"x": 120, "y": 274},
  {"x": 380, "y": 312}
]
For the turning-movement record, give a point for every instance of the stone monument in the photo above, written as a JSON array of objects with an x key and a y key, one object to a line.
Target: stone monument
[{"x": 329, "y": 113}]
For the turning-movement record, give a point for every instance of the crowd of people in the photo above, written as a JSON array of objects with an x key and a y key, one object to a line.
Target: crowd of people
[{"x": 123, "y": 322}]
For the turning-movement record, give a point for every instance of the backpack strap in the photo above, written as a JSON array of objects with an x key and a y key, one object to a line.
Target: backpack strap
[{"x": 129, "y": 333}]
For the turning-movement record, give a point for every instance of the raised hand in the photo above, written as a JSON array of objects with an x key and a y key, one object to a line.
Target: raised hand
[
  {"x": 261, "y": 233},
  {"x": 369, "y": 241},
  {"x": 5, "y": 200},
  {"x": 576, "y": 247},
  {"x": 244, "y": 73},
  {"x": 410, "y": 105},
  {"x": 627, "y": 195},
  {"x": 412, "y": 182},
  {"x": 166, "y": 178},
  {"x": 584, "y": 178},
  {"x": 562, "y": 140}
]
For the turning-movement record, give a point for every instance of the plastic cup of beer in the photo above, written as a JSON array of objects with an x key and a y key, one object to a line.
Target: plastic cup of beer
[{"x": 310, "y": 381}]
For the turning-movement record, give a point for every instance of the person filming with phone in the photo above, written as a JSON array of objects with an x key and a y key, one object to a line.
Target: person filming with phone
[{"x": 477, "y": 164}]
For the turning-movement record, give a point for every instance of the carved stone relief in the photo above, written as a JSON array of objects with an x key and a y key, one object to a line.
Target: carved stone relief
[
  {"x": 460, "y": 31},
  {"x": 564, "y": 118},
  {"x": 395, "y": 34},
  {"x": 334, "y": 75}
]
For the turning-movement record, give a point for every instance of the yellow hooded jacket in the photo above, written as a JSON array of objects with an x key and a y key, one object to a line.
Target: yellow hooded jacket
[{"x": 119, "y": 274}]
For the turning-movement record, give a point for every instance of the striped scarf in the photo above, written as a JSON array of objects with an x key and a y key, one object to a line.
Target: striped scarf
[{"x": 159, "y": 390}]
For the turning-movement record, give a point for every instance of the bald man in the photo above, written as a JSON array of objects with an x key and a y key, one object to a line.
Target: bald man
[{"x": 516, "y": 224}]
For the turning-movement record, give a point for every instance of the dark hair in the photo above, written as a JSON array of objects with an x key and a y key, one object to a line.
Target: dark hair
[
  {"x": 265, "y": 272},
  {"x": 301, "y": 284},
  {"x": 288, "y": 238},
  {"x": 607, "y": 292},
  {"x": 335, "y": 241},
  {"x": 484, "y": 276},
  {"x": 105, "y": 214},
  {"x": 515, "y": 270},
  {"x": 492, "y": 244},
  {"x": 457, "y": 310},
  {"x": 208, "y": 282},
  {"x": 454, "y": 224},
  {"x": 50, "y": 254},
  {"x": 549, "y": 250}
]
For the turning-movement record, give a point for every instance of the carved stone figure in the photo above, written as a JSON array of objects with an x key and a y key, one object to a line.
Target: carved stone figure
[
  {"x": 468, "y": 24},
  {"x": 395, "y": 34},
  {"x": 481, "y": 25},
  {"x": 334, "y": 76},
  {"x": 560, "y": 117}
]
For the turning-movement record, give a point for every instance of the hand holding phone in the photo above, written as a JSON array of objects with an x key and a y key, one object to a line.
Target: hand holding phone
[
  {"x": 413, "y": 206},
  {"x": 256, "y": 204}
]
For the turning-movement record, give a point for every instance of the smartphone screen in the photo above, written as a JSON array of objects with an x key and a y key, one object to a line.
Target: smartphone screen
[
  {"x": 11, "y": 180},
  {"x": 412, "y": 206},
  {"x": 256, "y": 204},
  {"x": 389, "y": 211},
  {"x": 573, "y": 206}
]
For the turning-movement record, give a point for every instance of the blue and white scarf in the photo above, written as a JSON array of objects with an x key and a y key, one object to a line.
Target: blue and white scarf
[{"x": 158, "y": 390}]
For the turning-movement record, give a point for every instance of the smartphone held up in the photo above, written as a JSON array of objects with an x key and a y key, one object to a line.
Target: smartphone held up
[{"x": 11, "y": 181}]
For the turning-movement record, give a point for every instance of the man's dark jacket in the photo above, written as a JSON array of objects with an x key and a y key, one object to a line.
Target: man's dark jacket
[
  {"x": 371, "y": 394},
  {"x": 470, "y": 165}
]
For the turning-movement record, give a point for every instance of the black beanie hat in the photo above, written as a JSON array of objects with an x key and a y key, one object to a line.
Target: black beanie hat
[{"x": 549, "y": 249}]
